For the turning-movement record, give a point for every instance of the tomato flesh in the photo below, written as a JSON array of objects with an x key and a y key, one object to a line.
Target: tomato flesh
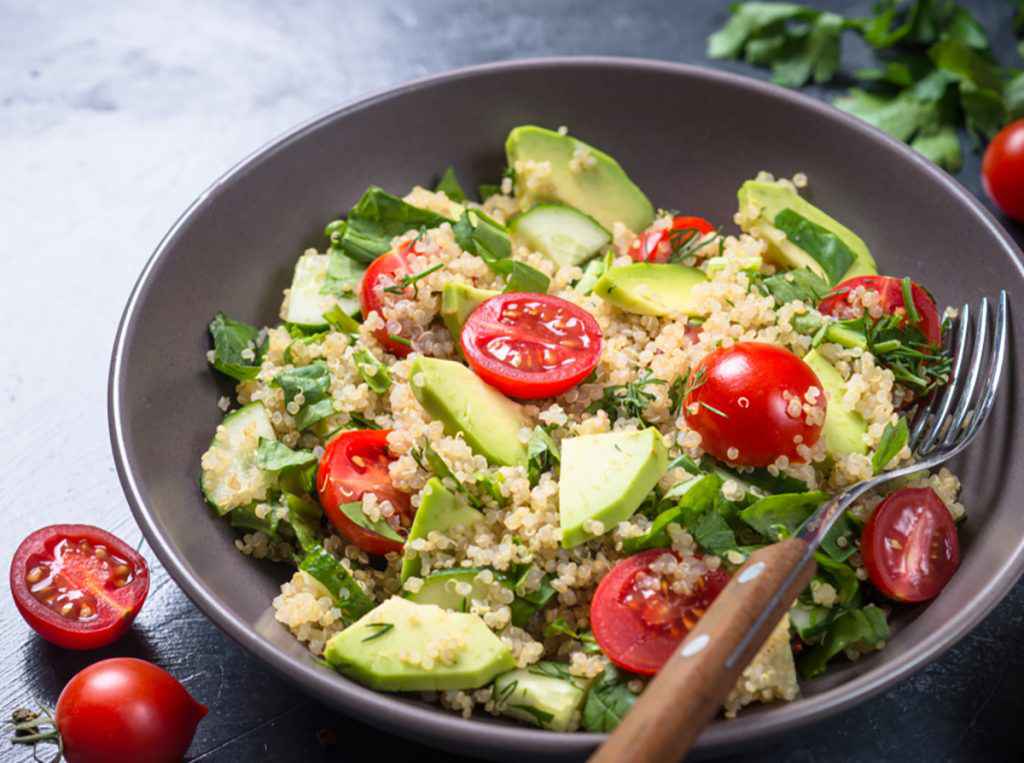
[
  {"x": 741, "y": 403},
  {"x": 78, "y": 586},
  {"x": 638, "y": 620},
  {"x": 125, "y": 710},
  {"x": 386, "y": 271},
  {"x": 531, "y": 345},
  {"x": 1002, "y": 170},
  {"x": 354, "y": 463},
  {"x": 910, "y": 545},
  {"x": 655, "y": 245},
  {"x": 890, "y": 290}
]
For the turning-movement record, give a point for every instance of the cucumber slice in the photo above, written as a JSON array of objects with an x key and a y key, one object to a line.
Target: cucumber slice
[
  {"x": 564, "y": 235},
  {"x": 439, "y": 589},
  {"x": 230, "y": 476},
  {"x": 544, "y": 694},
  {"x": 306, "y": 305}
]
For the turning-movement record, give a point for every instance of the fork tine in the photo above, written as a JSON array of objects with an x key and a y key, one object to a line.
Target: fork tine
[
  {"x": 995, "y": 371},
  {"x": 945, "y": 402},
  {"x": 977, "y": 360}
]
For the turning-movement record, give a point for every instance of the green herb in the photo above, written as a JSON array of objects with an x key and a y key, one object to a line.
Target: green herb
[
  {"x": 559, "y": 627},
  {"x": 694, "y": 497},
  {"x": 273, "y": 456},
  {"x": 629, "y": 400},
  {"x": 683, "y": 461},
  {"x": 412, "y": 280},
  {"x": 686, "y": 242},
  {"x": 245, "y": 518},
  {"x": 429, "y": 460},
  {"x": 902, "y": 348},
  {"x": 490, "y": 484},
  {"x": 304, "y": 517},
  {"x": 827, "y": 249},
  {"x": 550, "y": 669},
  {"x": 235, "y": 352},
  {"x": 450, "y": 187},
  {"x": 524, "y": 278},
  {"x": 779, "y": 516},
  {"x": 676, "y": 395},
  {"x": 487, "y": 190},
  {"x": 314, "y": 382},
  {"x": 542, "y": 453},
  {"x": 713, "y": 534},
  {"x": 795, "y": 285},
  {"x": 608, "y": 701},
  {"x": 354, "y": 511},
  {"x": 541, "y": 717},
  {"x": 343, "y": 275},
  {"x": 376, "y": 219},
  {"x": 400, "y": 340},
  {"x": 760, "y": 478},
  {"x": 528, "y": 603},
  {"x": 356, "y": 421},
  {"x": 479, "y": 235},
  {"x": 341, "y": 321},
  {"x": 374, "y": 373},
  {"x": 380, "y": 628},
  {"x": 893, "y": 439},
  {"x": 347, "y": 593},
  {"x": 505, "y": 692},
  {"x": 861, "y": 629},
  {"x": 714, "y": 410}
]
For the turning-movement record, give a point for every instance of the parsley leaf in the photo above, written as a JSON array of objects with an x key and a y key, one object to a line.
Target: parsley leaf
[
  {"x": 795, "y": 285},
  {"x": 893, "y": 439},
  {"x": 314, "y": 382},
  {"x": 541, "y": 452},
  {"x": 449, "y": 185},
  {"x": 273, "y": 456},
  {"x": 827, "y": 249},
  {"x": 235, "y": 352},
  {"x": 376, "y": 219},
  {"x": 382, "y": 527},
  {"x": 608, "y": 700},
  {"x": 374, "y": 373},
  {"x": 629, "y": 400}
]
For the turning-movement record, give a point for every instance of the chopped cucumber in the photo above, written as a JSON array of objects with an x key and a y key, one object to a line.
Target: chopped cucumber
[
  {"x": 230, "y": 475},
  {"x": 544, "y": 694},
  {"x": 564, "y": 235},
  {"x": 306, "y": 301}
]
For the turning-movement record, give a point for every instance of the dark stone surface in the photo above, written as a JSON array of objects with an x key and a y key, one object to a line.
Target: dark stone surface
[{"x": 112, "y": 119}]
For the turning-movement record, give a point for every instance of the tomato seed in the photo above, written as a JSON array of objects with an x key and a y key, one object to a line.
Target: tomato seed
[
  {"x": 67, "y": 609},
  {"x": 85, "y": 612},
  {"x": 35, "y": 574},
  {"x": 100, "y": 552}
]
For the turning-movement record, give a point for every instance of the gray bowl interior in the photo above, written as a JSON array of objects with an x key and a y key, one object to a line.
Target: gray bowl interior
[{"x": 234, "y": 248}]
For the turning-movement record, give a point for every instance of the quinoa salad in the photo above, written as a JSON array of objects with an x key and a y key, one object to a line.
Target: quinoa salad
[{"x": 513, "y": 448}]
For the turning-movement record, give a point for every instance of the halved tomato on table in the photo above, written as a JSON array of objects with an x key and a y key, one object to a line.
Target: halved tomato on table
[
  {"x": 386, "y": 271},
  {"x": 656, "y": 245},
  {"x": 910, "y": 545},
  {"x": 531, "y": 345},
  {"x": 354, "y": 463},
  {"x": 78, "y": 586},
  {"x": 637, "y": 618},
  {"x": 842, "y": 303}
]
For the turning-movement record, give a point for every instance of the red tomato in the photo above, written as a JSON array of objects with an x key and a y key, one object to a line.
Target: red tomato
[
  {"x": 1002, "y": 170},
  {"x": 125, "y": 710},
  {"x": 656, "y": 245},
  {"x": 354, "y": 463},
  {"x": 387, "y": 270},
  {"x": 739, "y": 403},
  {"x": 531, "y": 345},
  {"x": 78, "y": 586},
  {"x": 910, "y": 546},
  {"x": 638, "y": 620},
  {"x": 890, "y": 290}
]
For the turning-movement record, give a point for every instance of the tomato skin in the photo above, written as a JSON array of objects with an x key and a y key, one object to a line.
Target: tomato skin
[
  {"x": 738, "y": 400},
  {"x": 392, "y": 266},
  {"x": 508, "y": 336},
  {"x": 910, "y": 545},
  {"x": 653, "y": 245},
  {"x": 114, "y": 607},
  {"x": 340, "y": 479},
  {"x": 1002, "y": 170},
  {"x": 890, "y": 291},
  {"x": 639, "y": 635},
  {"x": 125, "y": 710}
]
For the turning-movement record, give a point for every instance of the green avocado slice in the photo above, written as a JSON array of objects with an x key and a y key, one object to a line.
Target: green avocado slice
[
  {"x": 651, "y": 289},
  {"x": 844, "y": 428},
  {"x": 440, "y": 510}
]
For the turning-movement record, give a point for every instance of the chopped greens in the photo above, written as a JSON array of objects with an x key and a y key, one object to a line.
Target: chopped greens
[
  {"x": 859, "y": 629},
  {"x": 341, "y": 321},
  {"x": 313, "y": 382},
  {"x": 235, "y": 352},
  {"x": 893, "y": 439},
  {"x": 348, "y": 595},
  {"x": 379, "y": 629},
  {"x": 795, "y": 285},
  {"x": 449, "y": 185},
  {"x": 376, "y": 219},
  {"x": 382, "y": 527},
  {"x": 343, "y": 275},
  {"x": 608, "y": 701},
  {"x": 273, "y": 456},
  {"x": 412, "y": 280},
  {"x": 627, "y": 400},
  {"x": 374, "y": 373},
  {"x": 542, "y": 453}
]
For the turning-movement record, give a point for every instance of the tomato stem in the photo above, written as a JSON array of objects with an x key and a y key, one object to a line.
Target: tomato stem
[{"x": 29, "y": 728}]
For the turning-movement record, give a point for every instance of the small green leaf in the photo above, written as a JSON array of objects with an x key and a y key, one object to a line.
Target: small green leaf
[
  {"x": 376, "y": 219},
  {"x": 354, "y": 511},
  {"x": 314, "y": 382},
  {"x": 541, "y": 452},
  {"x": 339, "y": 320},
  {"x": 449, "y": 185},
  {"x": 235, "y": 352},
  {"x": 608, "y": 701},
  {"x": 374, "y": 373},
  {"x": 273, "y": 456},
  {"x": 894, "y": 438}
]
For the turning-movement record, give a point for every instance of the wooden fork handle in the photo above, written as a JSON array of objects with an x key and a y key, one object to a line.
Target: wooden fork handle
[{"x": 691, "y": 687}]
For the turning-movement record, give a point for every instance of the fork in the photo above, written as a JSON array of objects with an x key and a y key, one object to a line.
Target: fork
[{"x": 694, "y": 683}]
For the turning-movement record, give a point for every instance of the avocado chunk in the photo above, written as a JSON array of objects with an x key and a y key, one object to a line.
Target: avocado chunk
[
  {"x": 387, "y": 649},
  {"x": 439, "y": 589},
  {"x": 545, "y": 694},
  {"x": 564, "y": 235},
  {"x": 467, "y": 404},
  {"x": 844, "y": 429},
  {"x": 458, "y": 300},
  {"x": 651, "y": 289},
  {"x": 630, "y": 464},
  {"x": 799, "y": 235},
  {"x": 440, "y": 510},
  {"x": 580, "y": 176}
]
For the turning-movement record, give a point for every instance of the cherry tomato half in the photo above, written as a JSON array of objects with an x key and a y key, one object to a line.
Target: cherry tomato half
[
  {"x": 78, "y": 586},
  {"x": 1002, "y": 170},
  {"x": 655, "y": 245},
  {"x": 125, "y": 710},
  {"x": 910, "y": 545},
  {"x": 741, "y": 402},
  {"x": 353, "y": 463},
  {"x": 385, "y": 271},
  {"x": 890, "y": 291},
  {"x": 638, "y": 620},
  {"x": 531, "y": 345}
]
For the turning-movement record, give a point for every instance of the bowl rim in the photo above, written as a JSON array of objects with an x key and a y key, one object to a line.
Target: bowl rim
[{"x": 440, "y": 726}]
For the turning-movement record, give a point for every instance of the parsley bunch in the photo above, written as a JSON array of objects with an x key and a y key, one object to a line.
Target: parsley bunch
[
  {"x": 936, "y": 71},
  {"x": 628, "y": 400}
]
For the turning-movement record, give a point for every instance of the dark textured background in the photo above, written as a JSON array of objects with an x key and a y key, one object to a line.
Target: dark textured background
[{"x": 112, "y": 119}]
